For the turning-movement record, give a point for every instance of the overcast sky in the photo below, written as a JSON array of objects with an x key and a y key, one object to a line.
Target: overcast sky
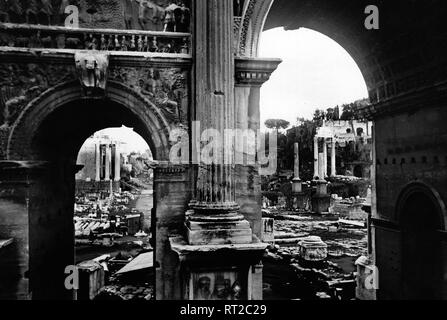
[
  {"x": 133, "y": 141},
  {"x": 316, "y": 72}
]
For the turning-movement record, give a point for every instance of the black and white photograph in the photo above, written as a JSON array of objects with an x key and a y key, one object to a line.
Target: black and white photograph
[{"x": 223, "y": 152}]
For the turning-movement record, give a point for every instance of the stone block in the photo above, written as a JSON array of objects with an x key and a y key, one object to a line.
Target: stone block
[
  {"x": 312, "y": 249},
  {"x": 214, "y": 233},
  {"x": 300, "y": 201},
  {"x": 321, "y": 203}
]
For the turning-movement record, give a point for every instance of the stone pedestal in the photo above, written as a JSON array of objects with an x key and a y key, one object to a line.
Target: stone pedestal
[
  {"x": 297, "y": 185},
  {"x": 220, "y": 272},
  {"x": 367, "y": 279},
  {"x": 321, "y": 201},
  {"x": 299, "y": 198},
  {"x": 312, "y": 249},
  {"x": 217, "y": 229}
]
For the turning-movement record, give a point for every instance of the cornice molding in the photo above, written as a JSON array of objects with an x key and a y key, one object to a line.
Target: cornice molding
[
  {"x": 418, "y": 99},
  {"x": 254, "y": 71}
]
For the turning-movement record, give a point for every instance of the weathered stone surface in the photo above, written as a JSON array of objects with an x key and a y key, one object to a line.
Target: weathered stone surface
[
  {"x": 313, "y": 249},
  {"x": 22, "y": 82},
  {"x": 167, "y": 88}
]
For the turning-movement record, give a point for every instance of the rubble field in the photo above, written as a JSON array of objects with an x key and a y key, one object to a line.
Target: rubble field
[{"x": 287, "y": 276}]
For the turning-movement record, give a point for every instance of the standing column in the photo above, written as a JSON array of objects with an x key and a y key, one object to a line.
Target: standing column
[
  {"x": 214, "y": 206},
  {"x": 117, "y": 163},
  {"x": 296, "y": 171},
  {"x": 333, "y": 159},
  {"x": 98, "y": 162},
  {"x": 324, "y": 159},
  {"x": 316, "y": 164},
  {"x": 108, "y": 162},
  {"x": 296, "y": 183},
  {"x": 321, "y": 166}
]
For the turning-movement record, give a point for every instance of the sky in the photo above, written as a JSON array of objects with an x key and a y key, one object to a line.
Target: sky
[
  {"x": 316, "y": 73},
  {"x": 133, "y": 141}
]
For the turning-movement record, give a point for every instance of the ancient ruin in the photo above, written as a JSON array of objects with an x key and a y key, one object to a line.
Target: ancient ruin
[{"x": 71, "y": 68}]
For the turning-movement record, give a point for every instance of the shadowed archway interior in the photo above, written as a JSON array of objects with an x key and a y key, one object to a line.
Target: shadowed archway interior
[
  {"x": 57, "y": 142},
  {"x": 421, "y": 251}
]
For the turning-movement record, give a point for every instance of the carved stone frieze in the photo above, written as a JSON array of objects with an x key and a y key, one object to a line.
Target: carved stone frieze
[
  {"x": 21, "y": 83},
  {"x": 154, "y": 15},
  {"x": 167, "y": 88}
]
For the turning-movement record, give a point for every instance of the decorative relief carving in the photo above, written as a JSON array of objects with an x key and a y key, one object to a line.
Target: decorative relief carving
[
  {"x": 19, "y": 36},
  {"x": 154, "y": 15},
  {"x": 252, "y": 26},
  {"x": 245, "y": 24},
  {"x": 224, "y": 285},
  {"x": 92, "y": 72},
  {"x": 21, "y": 83},
  {"x": 166, "y": 88}
]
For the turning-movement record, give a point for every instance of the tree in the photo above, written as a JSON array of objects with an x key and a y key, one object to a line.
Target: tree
[
  {"x": 351, "y": 111},
  {"x": 319, "y": 116},
  {"x": 277, "y": 124}
]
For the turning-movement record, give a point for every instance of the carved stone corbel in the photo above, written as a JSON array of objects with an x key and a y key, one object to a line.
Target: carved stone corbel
[{"x": 92, "y": 71}]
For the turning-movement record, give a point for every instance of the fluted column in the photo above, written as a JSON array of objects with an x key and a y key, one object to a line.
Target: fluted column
[
  {"x": 251, "y": 74},
  {"x": 215, "y": 99},
  {"x": 215, "y": 216}
]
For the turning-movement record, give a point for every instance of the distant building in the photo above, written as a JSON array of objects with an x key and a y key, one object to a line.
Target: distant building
[
  {"x": 356, "y": 139},
  {"x": 345, "y": 131},
  {"x": 101, "y": 159}
]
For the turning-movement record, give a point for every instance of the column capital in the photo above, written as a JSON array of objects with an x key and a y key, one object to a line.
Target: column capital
[{"x": 254, "y": 71}]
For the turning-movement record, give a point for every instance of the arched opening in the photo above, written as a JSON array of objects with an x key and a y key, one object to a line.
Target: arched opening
[
  {"x": 113, "y": 213},
  {"x": 51, "y": 132},
  {"x": 319, "y": 87},
  {"x": 422, "y": 260}
]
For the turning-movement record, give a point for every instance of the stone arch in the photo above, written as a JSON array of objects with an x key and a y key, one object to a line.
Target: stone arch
[
  {"x": 152, "y": 125},
  {"x": 252, "y": 24},
  {"x": 421, "y": 215},
  {"x": 51, "y": 176},
  {"x": 430, "y": 193}
]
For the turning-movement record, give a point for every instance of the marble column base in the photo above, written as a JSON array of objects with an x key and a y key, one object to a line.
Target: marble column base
[
  {"x": 321, "y": 204},
  {"x": 297, "y": 185},
  {"x": 300, "y": 200},
  {"x": 214, "y": 229}
]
